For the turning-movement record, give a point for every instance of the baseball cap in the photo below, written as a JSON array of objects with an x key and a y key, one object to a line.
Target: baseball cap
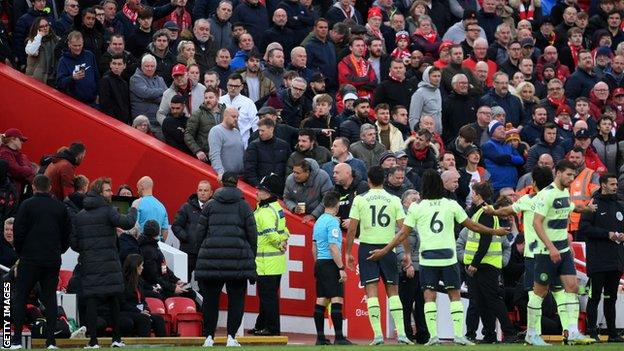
[
  {"x": 349, "y": 96},
  {"x": 317, "y": 77},
  {"x": 582, "y": 134},
  {"x": 400, "y": 153},
  {"x": 527, "y": 42},
  {"x": 563, "y": 109},
  {"x": 15, "y": 133},
  {"x": 604, "y": 51},
  {"x": 470, "y": 149},
  {"x": 267, "y": 110},
  {"x": 171, "y": 25},
  {"x": 445, "y": 44},
  {"x": 469, "y": 14},
  {"x": 270, "y": 184},
  {"x": 178, "y": 69},
  {"x": 618, "y": 92}
]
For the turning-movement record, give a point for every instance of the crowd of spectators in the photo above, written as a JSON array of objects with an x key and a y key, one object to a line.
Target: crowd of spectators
[{"x": 316, "y": 93}]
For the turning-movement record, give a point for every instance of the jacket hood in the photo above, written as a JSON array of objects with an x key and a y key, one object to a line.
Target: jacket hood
[
  {"x": 314, "y": 166},
  {"x": 425, "y": 79},
  {"x": 93, "y": 201},
  {"x": 228, "y": 195},
  {"x": 193, "y": 200},
  {"x": 77, "y": 199}
]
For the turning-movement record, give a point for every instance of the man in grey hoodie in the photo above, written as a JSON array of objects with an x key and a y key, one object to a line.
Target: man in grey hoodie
[
  {"x": 427, "y": 99},
  {"x": 305, "y": 188}
]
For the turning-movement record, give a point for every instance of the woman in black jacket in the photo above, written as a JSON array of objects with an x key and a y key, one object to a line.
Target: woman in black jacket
[
  {"x": 95, "y": 239},
  {"x": 227, "y": 235},
  {"x": 135, "y": 317}
]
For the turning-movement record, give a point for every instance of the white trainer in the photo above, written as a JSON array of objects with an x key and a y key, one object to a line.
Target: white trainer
[
  {"x": 208, "y": 342},
  {"x": 232, "y": 342}
]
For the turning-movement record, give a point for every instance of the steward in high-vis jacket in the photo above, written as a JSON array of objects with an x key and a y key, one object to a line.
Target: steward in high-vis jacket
[
  {"x": 484, "y": 261},
  {"x": 271, "y": 256}
]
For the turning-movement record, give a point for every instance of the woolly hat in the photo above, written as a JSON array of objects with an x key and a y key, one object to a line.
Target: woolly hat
[
  {"x": 374, "y": 12},
  {"x": 511, "y": 133},
  {"x": 401, "y": 35},
  {"x": 386, "y": 155},
  {"x": 493, "y": 125}
]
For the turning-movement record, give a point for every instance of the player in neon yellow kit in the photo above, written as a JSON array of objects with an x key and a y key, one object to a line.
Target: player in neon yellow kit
[{"x": 434, "y": 219}]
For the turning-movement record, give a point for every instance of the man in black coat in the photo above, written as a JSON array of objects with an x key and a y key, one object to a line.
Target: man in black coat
[
  {"x": 605, "y": 254},
  {"x": 8, "y": 193},
  {"x": 348, "y": 185},
  {"x": 227, "y": 239},
  {"x": 350, "y": 128},
  {"x": 185, "y": 223},
  {"x": 459, "y": 108},
  {"x": 94, "y": 238},
  {"x": 396, "y": 90},
  {"x": 40, "y": 236},
  {"x": 114, "y": 91},
  {"x": 266, "y": 155},
  {"x": 174, "y": 125}
]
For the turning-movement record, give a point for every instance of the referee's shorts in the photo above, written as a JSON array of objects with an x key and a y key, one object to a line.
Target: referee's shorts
[
  {"x": 370, "y": 271},
  {"x": 328, "y": 283}
]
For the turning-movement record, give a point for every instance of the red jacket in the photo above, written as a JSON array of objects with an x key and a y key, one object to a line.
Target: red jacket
[
  {"x": 562, "y": 72},
  {"x": 61, "y": 173},
  {"x": 593, "y": 162},
  {"x": 596, "y": 106},
  {"x": 347, "y": 75},
  {"x": 21, "y": 170}
]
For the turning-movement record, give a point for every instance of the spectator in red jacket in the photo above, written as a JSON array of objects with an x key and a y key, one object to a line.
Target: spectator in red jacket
[
  {"x": 354, "y": 69},
  {"x": 63, "y": 169},
  {"x": 21, "y": 170}
]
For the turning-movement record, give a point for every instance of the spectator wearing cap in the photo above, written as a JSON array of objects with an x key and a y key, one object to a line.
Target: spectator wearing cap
[
  {"x": 316, "y": 86},
  {"x": 19, "y": 169},
  {"x": 512, "y": 137},
  {"x": 389, "y": 135},
  {"x": 367, "y": 148},
  {"x": 500, "y": 96},
  {"x": 225, "y": 144},
  {"x": 457, "y": 32},
  {"x": 396, "y": 89},
  {"x": 548, "y": 143},
  {"x": 501, "y": 159},
  {"x": 563, "y": 121},
  {"x": 77, "y": 73},
  {"x": 459, "y": 108},
  {"x": 174, "y": 125},
  {"x": 271, "y": 257},
  {"x": 348, "y": 101},
  {"x": 322, "y": 54},
  {"x": 582, "y": 80},
  {"x": 220, "y": 24},
  {"x": 614, "y": 74},
  {"x": 255, "y": 85},
  {"x": 606, "y": 145},
  {"x": 227, "y": 239},
  {"x": 198, "y": 126},
  {"x": 427, "y": 100},
  {"x": 341, "y": 11},
  {"x": 470, "y": 174},
  {"x": 583, "y": 141},
  {"x": 402, "y": 42},
  {"x": 602, "y": 58},
  {"x": 191, "y": 91},
  {"x": 266, "y": 155},
  {"x": 444, "y": 55}
]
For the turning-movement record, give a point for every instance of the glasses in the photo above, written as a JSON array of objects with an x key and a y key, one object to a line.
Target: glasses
[
  {"x": 298, "y": 89},
  {"x": 234, "y": 85},
  {"x": 601, "y": 90},
  {"x": 43, "y": 26}
]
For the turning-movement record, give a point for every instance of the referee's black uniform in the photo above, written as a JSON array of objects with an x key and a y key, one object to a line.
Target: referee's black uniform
[{"x": 41, "y": 234}]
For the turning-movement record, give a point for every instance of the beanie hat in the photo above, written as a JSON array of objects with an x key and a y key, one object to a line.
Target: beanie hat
[
  {"x": 374, "y": 12},
  {"x": 563, "y": 109},
  {"x": 386, "y": 155},
  {"x": 401, "y": 35},
  {"x": 511, "y": 133},
  {"x": 493, "y": 125}
]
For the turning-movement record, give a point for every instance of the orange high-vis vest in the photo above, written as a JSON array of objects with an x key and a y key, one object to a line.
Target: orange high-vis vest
[{"x": 581, "y": 191}]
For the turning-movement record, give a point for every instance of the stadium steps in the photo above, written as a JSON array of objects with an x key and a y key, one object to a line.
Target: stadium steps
[{"x": 166, "y": 341}]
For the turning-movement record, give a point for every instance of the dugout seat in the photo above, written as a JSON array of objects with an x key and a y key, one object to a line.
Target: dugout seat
[
  {"x": 157, "y": 307},
  {"x": 185, "y": 318}
]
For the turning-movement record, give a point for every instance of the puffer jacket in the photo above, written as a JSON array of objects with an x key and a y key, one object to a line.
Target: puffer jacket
[
  {"x": 350, "y": 128},
  {"x": 541, "y": 147},
  {"x": 155, "y": 270},
  {"x": 185, "y": 224},
  {"x": 94, "y": 238},
  {"x": 310, "y": 192},
  {"x": 197, "y": 128},
  {"x": 501, "y": 160},
  {"x": 227, "y": 238},
  {"x": 264, "y": 157},
  {"x": 608, "y": 152}
]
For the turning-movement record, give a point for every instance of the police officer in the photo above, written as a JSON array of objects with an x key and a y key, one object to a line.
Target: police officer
[
  {"x": 271, "y": 257},
  {"x": 483, "y": 258},
  {"x": 605, "y": 254}
]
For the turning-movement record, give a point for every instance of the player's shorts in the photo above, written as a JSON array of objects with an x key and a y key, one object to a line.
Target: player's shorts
[
  {"x": 546, "y": 270},
  {"x": 430, "y": 277},
  {"x": 370, "y": 271},
  {"x": 529, "y": 275},
  {"x": 328, "y": 283}
]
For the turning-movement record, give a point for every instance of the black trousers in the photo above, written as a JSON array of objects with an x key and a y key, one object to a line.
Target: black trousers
[
  {"x": 112, "y": 301},
  {"x": 489, "y": 297},
  {"x": 268, "y": 292},
  {"x": 139, "y": 324},
  {"x": 27, "y": 276},
  {"x": 413, "y": 302},
  {"x": 472, "y": 313},
  {"x": 190, "y": 265},
  {"x": 607, "y": 282},
  {"x": 211, "y": 291}
]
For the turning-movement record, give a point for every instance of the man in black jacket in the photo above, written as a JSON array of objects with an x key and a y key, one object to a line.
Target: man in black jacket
[
  {"x": 174, "y": 125},
  {"x": 266, "y": 155},
  {"x": 41, "y": 235},
  {"x": 227, "y": 239},
  {"x": 185, "y": 223},
  {"x": 114, "y": 91},
  {"x": 350, "y": 128},
  {"x": 459, "y": 109},
  {"x": 605, "y": 254},
  {"x": 347, "y": 185}
]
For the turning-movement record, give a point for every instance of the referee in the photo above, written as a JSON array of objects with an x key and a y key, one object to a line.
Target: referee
[
  {"x": 329, "y": 270},
  {"x": 377, "y": 214}
]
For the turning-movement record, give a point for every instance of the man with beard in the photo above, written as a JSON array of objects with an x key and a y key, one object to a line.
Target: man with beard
[
  {"x": 420, "y": 154},
  {"x": 116, "y": 46},
  {"x": 307, "y": 147},
  {"x": 201, "y": 121},
  {"x": 350, "y": 128},
  {"x": 206, "y": 47},
  {"x": 459, "y": 108},
  {"x": 192, "y": 92},
  {"x": 367, "y": 148},
  {"x": 357, "y": 71},
  {"x": 274, "y": 67},
  {"x": 379, "y": 61},
  {"x": 174, "y": 125},
  {"x": 395, "y": 90},
  {"x": 278, "y": 33},
  {"x": 161, "y": 50},
  {"x": 212, "y": 82},
  {"x": 62, "y": 170},
  {"x": 322, "y": 54},
  {"x": 582, "y": 187},
  {"x": 316, "y": 86},
  {"x": 389, "y": 135},
  {"x": 533, "y": 130},
  {"x": 614, "y": 74},
  {"x": 256, "y": 86}
]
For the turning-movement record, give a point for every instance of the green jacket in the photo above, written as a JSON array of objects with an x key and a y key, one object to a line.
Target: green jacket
[
  {"x": 272, "y": 231},
  {"x": 198, "y": 126}
]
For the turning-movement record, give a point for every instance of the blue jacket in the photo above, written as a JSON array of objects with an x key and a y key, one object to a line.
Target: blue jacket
[
  {"x": 86, "y": 89},
  {"x": 541, "y": 147},
  {"x": 356, "y": 164},
  {"x": 322, "y": 58},
  {"x": 510, "y": 103},
  {"x": 579, "y": 83},
  {"x": 501, "y": 161},
  {"x": 238, "y": 61},
  {"x": 255, "y": 18},
  {"x": 63, "y": 24}
]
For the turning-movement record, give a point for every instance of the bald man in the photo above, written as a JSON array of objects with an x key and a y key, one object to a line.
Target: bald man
[
  {"x": 347, "y": 184},
  {"x": 450, "y": 179},
  {"x": 150, "y": 208},
  {"x": 545, "y": 160}
]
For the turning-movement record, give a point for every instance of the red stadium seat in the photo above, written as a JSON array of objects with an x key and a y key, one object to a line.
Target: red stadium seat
[
  {"x": 186, "y": 320},
  {"x": 64, "y": 277},
  {"x": 157, "y": 307}
]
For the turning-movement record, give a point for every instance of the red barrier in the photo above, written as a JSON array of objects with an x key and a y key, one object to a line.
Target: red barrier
[{"x": 50, "y": 119}]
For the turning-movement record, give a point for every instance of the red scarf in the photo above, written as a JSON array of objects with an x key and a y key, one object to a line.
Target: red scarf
[
  {"x": 400, "y": 54},
  {"x": 361, "y": 66},
  {"x": 431, "y": 37},
  {"x": 419, "y": 154},
  {"x": 183, "y": 21},
  {"x": 563, "y": 125},
  {"x": 526, "y": 13},
  {"x": 574, "y": 50},
  {"x": 131, "y": 14},
  {"x": 557, "y": 103}
]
